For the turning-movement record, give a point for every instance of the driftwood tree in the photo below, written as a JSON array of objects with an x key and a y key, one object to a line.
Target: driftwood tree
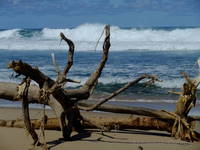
[
  {"x": 67, "y": 102},
  {"x": 52, "y": 93}
]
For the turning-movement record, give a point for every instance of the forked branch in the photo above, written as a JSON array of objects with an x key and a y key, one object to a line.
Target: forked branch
[
  {"x": 92, "y": 80},
  {"x": 61, "y": 78}
]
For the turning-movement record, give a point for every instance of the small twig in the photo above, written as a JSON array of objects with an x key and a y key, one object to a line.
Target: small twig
[
  {"x": 93, "y": 88},
  {"x": 174, "y": 92},
  {"x": 73, "y": 81},
  {"x": 57, "y": 69},
  {"x": 98, "y": 41},
  {"x": 186, "y": 77}
]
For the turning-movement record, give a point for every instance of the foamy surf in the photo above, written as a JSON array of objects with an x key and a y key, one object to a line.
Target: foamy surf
[{"x": 85, "y": 37}]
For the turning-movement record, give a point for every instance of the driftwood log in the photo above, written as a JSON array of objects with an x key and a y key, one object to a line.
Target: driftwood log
[
  {"x": 102, "y": 121},
  {"x": 67, "y": 103}
]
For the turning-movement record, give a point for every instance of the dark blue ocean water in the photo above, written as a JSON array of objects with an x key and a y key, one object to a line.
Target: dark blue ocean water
[{"x": 121, "y": 68}]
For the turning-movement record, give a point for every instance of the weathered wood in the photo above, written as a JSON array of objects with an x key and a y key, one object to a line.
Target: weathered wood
[
  {"x": 50, "y": 88},
  {"x": 156, "y": 114},
  {"x": 117, "y": 92},
  {"x": 92, "y": 80},
  {"x": 64, "y": 96},
  {"x": 101, "y": 121},
  {"x": 105, "y": 122},
  {"x": 131, "y": 110},
  {"x": 33, "y": 96},
  {"x": 70, "y": 53},
  {"x": 25, "y": 107},
  {"x": 187, "y": 99}
]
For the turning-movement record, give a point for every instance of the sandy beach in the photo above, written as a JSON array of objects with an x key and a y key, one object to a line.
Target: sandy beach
[{"x": 16, "y": 139}]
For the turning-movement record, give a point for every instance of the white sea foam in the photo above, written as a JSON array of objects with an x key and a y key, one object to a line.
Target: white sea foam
[
  {"x": 173, "y": 83},
  {"x": 86, "y": 35},
  {"x": 9, "y": 34},
  {"x": 166, "y": 83}
]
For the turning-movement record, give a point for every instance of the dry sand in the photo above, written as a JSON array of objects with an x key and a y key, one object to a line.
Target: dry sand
[{"x": 16, "y": 139}]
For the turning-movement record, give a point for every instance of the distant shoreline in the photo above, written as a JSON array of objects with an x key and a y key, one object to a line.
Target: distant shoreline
[{"x": 159, "y": 105}]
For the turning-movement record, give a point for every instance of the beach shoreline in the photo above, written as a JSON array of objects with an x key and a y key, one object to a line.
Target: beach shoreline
[
  {"x": 153, "y": 104},
  {"x": 15, "y": 138}
]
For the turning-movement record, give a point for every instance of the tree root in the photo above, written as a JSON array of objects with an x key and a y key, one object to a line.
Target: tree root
[{"x": 181, "y": 129}]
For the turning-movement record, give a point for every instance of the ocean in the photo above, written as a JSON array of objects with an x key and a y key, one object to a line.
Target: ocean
[{"x": 161, "y": 51}]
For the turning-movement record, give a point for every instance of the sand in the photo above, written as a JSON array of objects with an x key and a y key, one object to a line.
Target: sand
[{"x": 16, "y": 139}]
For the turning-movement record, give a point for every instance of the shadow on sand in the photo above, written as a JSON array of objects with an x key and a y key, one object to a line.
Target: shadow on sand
[{"x": 87, "y": 133}]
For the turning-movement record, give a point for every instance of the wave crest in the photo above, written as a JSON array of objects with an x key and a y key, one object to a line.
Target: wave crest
[{"x": 86, "y": 35}]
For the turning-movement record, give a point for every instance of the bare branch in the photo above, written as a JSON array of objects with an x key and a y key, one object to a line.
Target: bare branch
[
  {"x": 152, "y": 78},
  {"x": 90, "y": 83},
  {"x": 57, "y": 69},
  {"x": 70, "y": 53},
  {"x": 73, "y": 81},
  {"x": 174, "y": 92},
  {"x": 28, "y": 71},
  {"x": 189, "y": 81}
]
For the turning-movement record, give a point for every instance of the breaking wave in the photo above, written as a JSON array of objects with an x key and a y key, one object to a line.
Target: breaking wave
[{"x": 86, "y": 35}]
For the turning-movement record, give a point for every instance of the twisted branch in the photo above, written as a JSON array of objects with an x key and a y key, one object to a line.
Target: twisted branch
[{"x": 70, "y": 53}]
